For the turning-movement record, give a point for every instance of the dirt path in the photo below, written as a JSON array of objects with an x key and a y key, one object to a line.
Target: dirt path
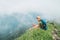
[{"x": 54, "y": 34}]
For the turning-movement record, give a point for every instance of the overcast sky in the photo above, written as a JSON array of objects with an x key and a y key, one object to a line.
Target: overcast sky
[{"x": 47, "y": 7}]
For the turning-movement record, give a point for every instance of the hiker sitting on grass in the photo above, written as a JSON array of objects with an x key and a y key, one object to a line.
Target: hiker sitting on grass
[{"x": 41, "y": 24}]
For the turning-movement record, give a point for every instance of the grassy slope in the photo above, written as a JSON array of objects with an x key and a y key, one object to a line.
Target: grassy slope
[{"x": 37, "y": 34}]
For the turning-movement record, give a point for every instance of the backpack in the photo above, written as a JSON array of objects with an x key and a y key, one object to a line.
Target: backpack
[{"x": 44, "y": 23}]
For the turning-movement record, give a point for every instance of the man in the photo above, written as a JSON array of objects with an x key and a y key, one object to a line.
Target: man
[{"x": 41, "y": 24}]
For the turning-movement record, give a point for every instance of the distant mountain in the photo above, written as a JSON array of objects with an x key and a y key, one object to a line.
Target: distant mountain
[{"x": 14, "y": 25}]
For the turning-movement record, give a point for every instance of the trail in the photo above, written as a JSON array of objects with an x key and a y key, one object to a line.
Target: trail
[{"x": 54, "y": 34}]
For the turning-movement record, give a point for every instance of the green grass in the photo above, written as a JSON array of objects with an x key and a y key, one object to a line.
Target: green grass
[{"x": 37, "y": 34}]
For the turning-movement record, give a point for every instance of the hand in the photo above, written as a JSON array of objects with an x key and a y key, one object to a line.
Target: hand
[{"x": 34, "y": 25}]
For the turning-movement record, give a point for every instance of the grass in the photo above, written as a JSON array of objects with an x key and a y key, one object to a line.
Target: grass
[{"x": 37, "y": 34}]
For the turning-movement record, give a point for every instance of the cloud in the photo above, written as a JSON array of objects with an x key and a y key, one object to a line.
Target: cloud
[{"x": 46, "y": 7}]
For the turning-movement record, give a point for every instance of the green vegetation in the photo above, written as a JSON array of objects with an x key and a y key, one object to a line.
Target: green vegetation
[{"x": 37, "y": 34}]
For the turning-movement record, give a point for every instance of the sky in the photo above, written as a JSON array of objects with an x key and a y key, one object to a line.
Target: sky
[{"x": 47, "y": 7}]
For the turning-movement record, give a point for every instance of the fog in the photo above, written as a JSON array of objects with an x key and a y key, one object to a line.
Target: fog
[
  {"x": 18, "y": 15},
  {"x": 49, "y": 8}
]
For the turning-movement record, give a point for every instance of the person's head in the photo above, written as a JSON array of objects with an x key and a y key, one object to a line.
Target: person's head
[{"x": 38, "y": 18}]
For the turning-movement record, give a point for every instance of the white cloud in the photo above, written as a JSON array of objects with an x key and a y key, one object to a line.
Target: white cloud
[{"x": 47, "y": 7}]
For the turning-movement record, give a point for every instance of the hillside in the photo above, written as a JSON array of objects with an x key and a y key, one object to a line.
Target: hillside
[{"x": 37, "y": 34}]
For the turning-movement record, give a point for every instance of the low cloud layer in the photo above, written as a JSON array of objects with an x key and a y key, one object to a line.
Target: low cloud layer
[{"x": 50, "y": 9}]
